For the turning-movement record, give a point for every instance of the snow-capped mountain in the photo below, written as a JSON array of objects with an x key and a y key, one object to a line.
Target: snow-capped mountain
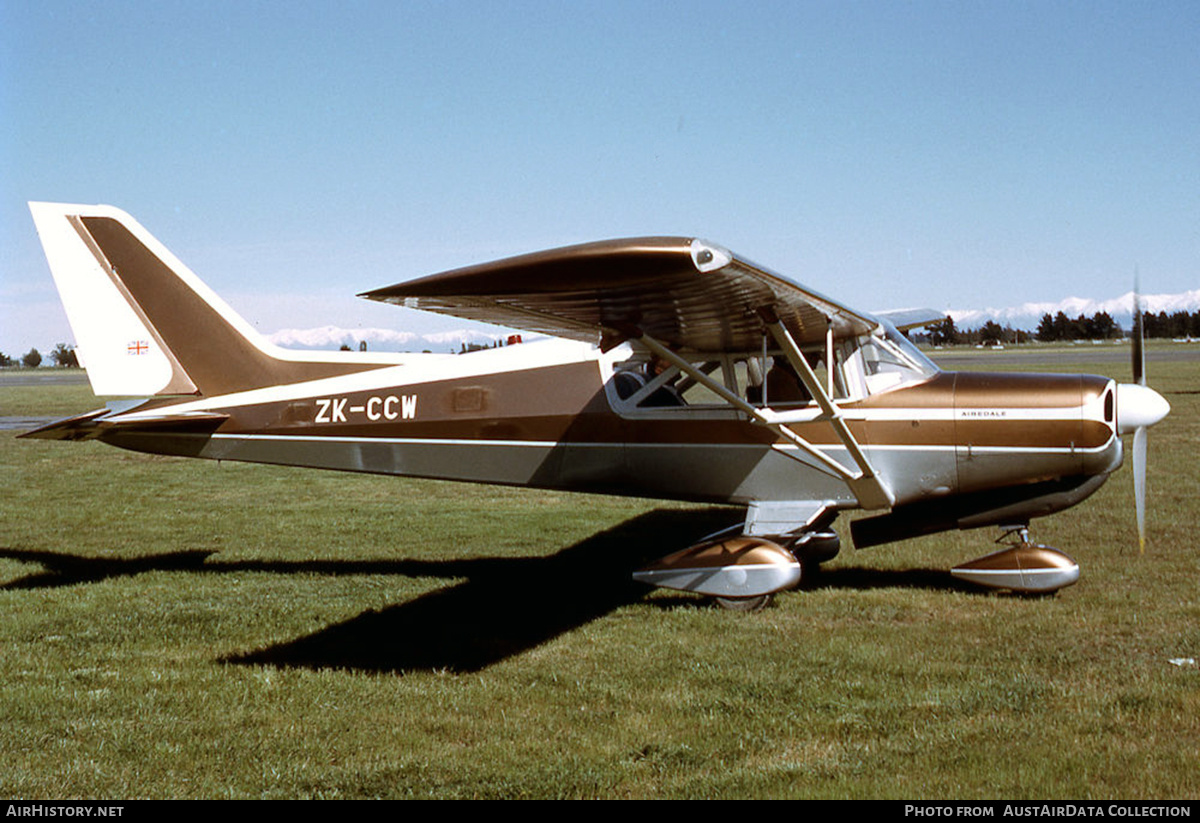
[
  {"x": 331, "y": 338},
  {"x": 1025, "y": 316}
]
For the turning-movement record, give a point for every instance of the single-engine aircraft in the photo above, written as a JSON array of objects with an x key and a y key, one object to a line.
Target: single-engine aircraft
[{"x": 674, "y": 369}]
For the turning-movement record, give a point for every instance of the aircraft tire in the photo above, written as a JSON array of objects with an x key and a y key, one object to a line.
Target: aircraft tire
[{"x": 744, "y": 604}]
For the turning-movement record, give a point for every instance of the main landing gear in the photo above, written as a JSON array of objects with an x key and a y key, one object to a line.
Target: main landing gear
[{"x": 741, "y": 573}]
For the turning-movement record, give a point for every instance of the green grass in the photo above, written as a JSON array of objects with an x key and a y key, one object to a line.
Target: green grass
[
  {"x": 17, "y": 397},
  {"x": 179, "y": 628}
]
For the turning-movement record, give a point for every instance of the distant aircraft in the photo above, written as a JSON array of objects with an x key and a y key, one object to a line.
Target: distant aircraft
[{"x": 676, "y": 370}]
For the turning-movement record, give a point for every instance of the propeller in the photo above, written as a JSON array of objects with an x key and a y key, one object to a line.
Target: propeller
[
  {"x": 1139, "y": 336},
  {"x": 1138, "y": 408}
]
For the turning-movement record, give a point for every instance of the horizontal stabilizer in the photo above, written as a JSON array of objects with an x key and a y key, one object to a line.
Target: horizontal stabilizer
[
  {"x": 79, "y": 427},
  {"x": 94, "y": 424}
]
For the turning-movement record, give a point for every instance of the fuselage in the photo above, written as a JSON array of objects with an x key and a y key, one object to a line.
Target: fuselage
[{"x": 550, "y": 414}]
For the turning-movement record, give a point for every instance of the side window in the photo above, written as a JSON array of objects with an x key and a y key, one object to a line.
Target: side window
[
  {"x": 783, "y": 386},
  {"x": 644, "y": 382},
  {"x": 888, "y": 361}
]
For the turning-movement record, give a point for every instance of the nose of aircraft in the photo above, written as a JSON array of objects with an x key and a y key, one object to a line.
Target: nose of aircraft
[{"x": 1138, "y": 406}]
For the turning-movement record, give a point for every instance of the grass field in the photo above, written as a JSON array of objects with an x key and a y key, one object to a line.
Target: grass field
[{"x": 188, "y": 629}]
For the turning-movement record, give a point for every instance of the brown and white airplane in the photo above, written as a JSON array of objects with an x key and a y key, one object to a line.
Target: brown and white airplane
[{"x": 675, "y": 369}]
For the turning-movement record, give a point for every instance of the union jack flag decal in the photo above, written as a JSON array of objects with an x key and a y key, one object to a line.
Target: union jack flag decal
[{"x": 138, "y": 347}]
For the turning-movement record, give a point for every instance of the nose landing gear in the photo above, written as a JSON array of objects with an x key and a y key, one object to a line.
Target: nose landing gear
[{"x": 1023, "y": 566}]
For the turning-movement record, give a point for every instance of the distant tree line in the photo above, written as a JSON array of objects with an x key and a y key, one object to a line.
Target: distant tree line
[
  {"x": 1059, "y": 327},
  {"x": 990, "y": 333},
  {"x": 1100, "y": 326},
  {"x": 63, "y": 356},
  {"x": 1176, "y": 324}
]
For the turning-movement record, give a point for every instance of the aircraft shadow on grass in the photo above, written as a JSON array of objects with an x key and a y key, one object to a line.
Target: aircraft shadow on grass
[
  {"x": 60, "y": 569},
  {"x": 505, "y": 606}
]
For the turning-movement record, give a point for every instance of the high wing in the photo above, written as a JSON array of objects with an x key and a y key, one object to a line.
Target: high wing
[
  {"x": 671, "y": 294},
  {"x": 684, "y": 292}
]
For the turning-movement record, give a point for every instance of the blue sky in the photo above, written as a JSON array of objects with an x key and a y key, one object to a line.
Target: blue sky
[{"x": 952, "y": 155}]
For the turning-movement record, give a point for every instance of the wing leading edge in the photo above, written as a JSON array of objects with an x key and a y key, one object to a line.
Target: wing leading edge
[{"x": 687, "y": 293}]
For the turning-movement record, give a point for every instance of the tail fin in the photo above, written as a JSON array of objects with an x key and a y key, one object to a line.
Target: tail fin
[{"x": 145, "y": 324}]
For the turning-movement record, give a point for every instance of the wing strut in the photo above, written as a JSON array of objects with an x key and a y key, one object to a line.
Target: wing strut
[{"x": 865, "y": 484}]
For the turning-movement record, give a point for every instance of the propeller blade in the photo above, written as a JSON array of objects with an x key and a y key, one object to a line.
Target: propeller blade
[
  {"x": 1138, "y": 339},
  {"x": 1139, "y": 484}
]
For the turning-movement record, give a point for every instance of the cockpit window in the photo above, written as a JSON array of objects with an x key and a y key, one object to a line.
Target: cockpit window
[
  {"x": 863, "y": 365},
  {"x": 890, "y": 360}
]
